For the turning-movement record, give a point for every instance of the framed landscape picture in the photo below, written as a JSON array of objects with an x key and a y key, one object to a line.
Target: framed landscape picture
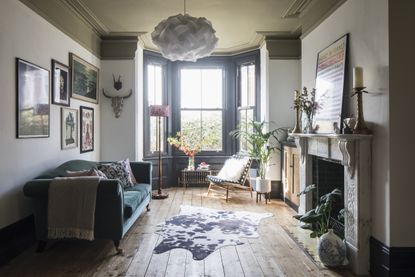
[
  {"x": 87, "y": 129},
  {"x": 85, "y": 79},
  {"x": 69, "y": 128},
  {"x": 331, "y": 64},
  {"x": 32, "y": 108},
  {"x": 60, "y": 83}
]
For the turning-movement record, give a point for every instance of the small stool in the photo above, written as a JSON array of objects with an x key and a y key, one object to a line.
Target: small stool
[{"x": 266, "y": 194}]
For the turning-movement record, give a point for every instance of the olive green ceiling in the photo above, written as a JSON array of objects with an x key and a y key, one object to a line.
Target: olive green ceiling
[{"x": 240, "y": 24}]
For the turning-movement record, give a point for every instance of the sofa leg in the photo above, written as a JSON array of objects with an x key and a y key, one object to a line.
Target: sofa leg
[
  {"x": 117, "y": 247},
  {"x": 148, "y": 207},
  {"x": 41, "y": 245}
]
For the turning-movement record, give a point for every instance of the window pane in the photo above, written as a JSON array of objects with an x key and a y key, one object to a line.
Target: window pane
[
  {"x": 247, "y": 85},
  {"x": 212, "y": 88},
  {"x": 191, "y": 88},
  {"x": 155, "y": 97},
  {"x": 203, "y": 126},
  {"x": 201, "y": 88},
  {"x": 246, "y": 116},
  {"x": 153, "y": 134},
  {"x": 191, "y": 127},
  {"x": 212, "y": 130},
  {"x": 154, "y": 84}
]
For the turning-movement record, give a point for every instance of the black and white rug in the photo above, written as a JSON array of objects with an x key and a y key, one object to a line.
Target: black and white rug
[{"x": 202, "y": 230}]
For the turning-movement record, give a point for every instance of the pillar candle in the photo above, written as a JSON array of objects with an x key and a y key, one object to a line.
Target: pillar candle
[{"x": 358, "y": 77}]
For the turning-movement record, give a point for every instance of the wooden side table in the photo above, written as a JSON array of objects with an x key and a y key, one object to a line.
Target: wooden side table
[{"x": 194, "y": 177}]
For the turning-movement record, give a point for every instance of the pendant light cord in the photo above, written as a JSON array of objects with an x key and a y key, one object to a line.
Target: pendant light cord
[{"x": 184, "y": 6}]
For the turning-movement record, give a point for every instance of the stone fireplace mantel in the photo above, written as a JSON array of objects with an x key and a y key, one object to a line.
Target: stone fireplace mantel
[{"x": 354, "y": 153}]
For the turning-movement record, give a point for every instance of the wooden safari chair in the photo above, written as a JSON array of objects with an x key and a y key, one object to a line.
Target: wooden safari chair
[{"x": 239, "y": 181}]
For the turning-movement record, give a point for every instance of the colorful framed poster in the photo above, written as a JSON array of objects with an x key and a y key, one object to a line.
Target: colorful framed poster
[
  {"x": 331, "y": 65},
  {"x": 87, "y": 129},
  {"x": 32, "y": 105},
  {"x": 69, "y": 128},
  {"x": 60, "y": 84},
  {"x": 85, "y": 79}
]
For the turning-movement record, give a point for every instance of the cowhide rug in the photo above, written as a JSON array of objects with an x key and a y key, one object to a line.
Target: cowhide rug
[{"x": 202, "y": 230}]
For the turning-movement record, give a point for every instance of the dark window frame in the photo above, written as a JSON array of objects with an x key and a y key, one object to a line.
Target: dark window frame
[{"x": 231, "y": 98}]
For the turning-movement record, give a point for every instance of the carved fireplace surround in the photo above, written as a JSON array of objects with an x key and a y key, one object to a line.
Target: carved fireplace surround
[{"x": 354, "y": 153}]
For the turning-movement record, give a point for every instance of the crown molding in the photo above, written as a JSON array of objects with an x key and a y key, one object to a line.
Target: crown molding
[
  {"x": 283, "y": 49},
  {"x": 119, "y": 46},
  {"x": 87, "y": 16}
]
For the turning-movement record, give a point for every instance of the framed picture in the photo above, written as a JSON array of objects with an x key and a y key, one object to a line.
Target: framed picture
[
  {"x": 32, "y": 105},
  {"x": 87, "y": 129},
  {"x": 331, "y": 64},
  {"x": 85, "y": 79},
  {"x": 69, "y": 128},
  {"x": 60, "y": 83}
]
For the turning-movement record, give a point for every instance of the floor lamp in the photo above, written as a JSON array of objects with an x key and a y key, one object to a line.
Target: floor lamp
[{"x": 159, "y": 111}]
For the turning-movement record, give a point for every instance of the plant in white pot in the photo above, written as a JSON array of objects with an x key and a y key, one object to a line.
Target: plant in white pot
[{"x": 260, "y": 146}]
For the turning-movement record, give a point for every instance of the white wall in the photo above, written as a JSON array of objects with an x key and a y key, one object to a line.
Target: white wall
[
  {"x": 118, "y": 134},
  {"x": 284, "y": 78},
  {"x": 26, "y": 35},
  {"x": 367, "y": 24}
]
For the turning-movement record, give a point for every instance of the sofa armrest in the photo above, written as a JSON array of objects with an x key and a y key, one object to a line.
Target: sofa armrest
[{"x": 142, "y": 171}]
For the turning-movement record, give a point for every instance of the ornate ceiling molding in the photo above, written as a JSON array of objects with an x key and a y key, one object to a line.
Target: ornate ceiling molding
[
  {"x": 85, "y": 14},
  {"x": 295, "y": 9}
]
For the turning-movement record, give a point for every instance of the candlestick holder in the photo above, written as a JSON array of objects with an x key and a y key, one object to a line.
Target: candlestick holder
[
  {"x": 360, "y": 126},
  {"x": 297, "y": 128}
]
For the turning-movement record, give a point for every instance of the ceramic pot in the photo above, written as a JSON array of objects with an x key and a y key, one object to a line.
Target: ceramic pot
[
  {"x": 332, "y": 250},
  {"x": 263, "y": 185}
]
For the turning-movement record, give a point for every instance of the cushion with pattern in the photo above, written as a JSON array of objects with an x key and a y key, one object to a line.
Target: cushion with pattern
[{"x": 118, "y": 171}]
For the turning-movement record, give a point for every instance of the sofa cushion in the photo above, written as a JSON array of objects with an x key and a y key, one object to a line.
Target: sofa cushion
[
  {"x": 132, "y": 200},
  {"x": 119, "y": 171},
  {"x": 144, "y": 189}
]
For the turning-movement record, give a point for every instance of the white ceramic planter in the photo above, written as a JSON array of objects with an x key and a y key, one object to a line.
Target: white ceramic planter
[{"x": 263, "y": 185}]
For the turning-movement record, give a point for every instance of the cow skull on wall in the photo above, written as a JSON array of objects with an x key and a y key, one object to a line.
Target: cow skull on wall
[{"x": 117, "y": 102}]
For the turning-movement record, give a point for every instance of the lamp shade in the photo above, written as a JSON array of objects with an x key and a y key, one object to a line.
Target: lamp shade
[
  {"x": 159, "y": 110},
  {"x": 185, "y": 38}
]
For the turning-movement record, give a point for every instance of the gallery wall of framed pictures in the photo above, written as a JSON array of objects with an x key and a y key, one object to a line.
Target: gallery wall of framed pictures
[{"x": 79, "y": 80}]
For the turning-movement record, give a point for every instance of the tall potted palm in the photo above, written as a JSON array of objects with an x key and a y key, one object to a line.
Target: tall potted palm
[{"x": 261, "y": 144}]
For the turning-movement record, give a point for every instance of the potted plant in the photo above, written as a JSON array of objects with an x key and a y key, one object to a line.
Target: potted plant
[
  {"x": 331, "y": 249},
  {"x": 306, "y": 103},
  {"x": 261, "y": 144}
]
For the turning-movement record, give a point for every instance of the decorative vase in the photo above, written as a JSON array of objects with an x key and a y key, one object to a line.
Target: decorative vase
[
  {"x": 191, "y": 163},
  {"x": 308, "y": 128},
  {"x": 262, "y": 185},
  {"x": 332, "y": 250}
]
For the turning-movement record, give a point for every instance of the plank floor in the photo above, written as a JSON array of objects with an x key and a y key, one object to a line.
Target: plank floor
[{"x": 274, "y": 253}]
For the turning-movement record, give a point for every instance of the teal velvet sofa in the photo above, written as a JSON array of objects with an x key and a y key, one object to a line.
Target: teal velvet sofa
[{"x": 116, "y": 208}]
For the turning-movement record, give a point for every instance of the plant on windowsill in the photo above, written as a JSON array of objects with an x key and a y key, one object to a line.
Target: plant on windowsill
[
  {"x": 261, "y": 144},
  {"x": 331, "y": 249}
]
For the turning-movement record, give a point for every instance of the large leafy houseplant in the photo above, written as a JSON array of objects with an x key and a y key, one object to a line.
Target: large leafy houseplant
[
  {"x": 318, "y": 219},
  {"x": 260, "y": 143}
]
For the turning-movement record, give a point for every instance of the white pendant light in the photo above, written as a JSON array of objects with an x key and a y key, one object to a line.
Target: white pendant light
[{"x": 184, "y": 37}]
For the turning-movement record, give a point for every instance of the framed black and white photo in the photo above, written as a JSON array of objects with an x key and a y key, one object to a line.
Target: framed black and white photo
[
  {"x": 331, "y": 64},
  {"x": 69, "y": 128},
  {"x": 87, "y": 129},
  {"x": 85, "y": 79},
  {"x": 60, "y": 84},
  {"x": 33, "y": 108}
]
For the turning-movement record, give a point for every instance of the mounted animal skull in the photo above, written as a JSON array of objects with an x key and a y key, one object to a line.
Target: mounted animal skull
[{"x": 117, "y": 102}]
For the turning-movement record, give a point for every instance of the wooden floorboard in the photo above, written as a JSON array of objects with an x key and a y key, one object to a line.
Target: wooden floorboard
[{"x": 274, "y": 253}]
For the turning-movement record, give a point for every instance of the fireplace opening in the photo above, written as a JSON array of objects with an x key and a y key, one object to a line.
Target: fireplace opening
[{"x": 327, "y": 176}]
